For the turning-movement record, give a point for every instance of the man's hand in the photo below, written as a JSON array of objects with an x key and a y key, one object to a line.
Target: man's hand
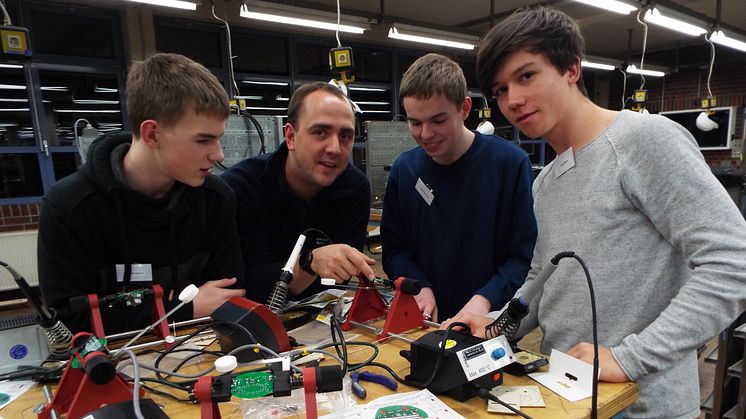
[
  {"x": 475, "y": 322},
  {"x": 338, "y": 261},
  {"x": 213, "y": 294},
  {"x": 610, "y": 369},
  {"x": 478, "y": 305},
  {"x": 426, "y": 300},
  {"x": 341, "y": 262}
]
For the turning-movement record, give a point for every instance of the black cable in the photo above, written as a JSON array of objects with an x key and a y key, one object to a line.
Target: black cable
[
  {"x": 438, "y": 360},
  {"x": 335, "y": 328},
  {"x": 594, "y": 399},
  {"x": 487, "y": 395},
  {"x": 356, "y": 366},
  {"x": 173, "y": 348},
  {"x": 390, "y": 371},
  {"x": 174, "y": 370},
  {"x": 32, "y": 371},
  {"x": 247, "y": 116},
  {"x": 442, "y": 351},
  {"x": 198, "y": 352},
  {"x": 165, "y": 393}
]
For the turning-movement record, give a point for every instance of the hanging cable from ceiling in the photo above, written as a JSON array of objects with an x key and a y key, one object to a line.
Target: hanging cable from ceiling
[
  {"x": 336, "y": 31},
  {"x": 703, "y": 122},
  {"x": 641, "y": 95},
  {"x": 644, "y": 48},
  {"x": 231, "y": 73}
]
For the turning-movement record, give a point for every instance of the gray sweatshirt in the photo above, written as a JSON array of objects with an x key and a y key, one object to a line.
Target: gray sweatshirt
[{"x": 665, "y": 246}]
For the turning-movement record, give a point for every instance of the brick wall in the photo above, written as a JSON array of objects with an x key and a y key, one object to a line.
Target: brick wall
[
  {"x": 19, "y": 217},
  {"x": 683, "y": 90}
]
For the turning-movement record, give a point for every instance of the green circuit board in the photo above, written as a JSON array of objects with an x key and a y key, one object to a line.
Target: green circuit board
[{"x": 251, "y": 385}]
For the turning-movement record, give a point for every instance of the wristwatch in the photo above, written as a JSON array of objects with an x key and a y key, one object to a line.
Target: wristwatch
[{"x": 306, "y": 257}]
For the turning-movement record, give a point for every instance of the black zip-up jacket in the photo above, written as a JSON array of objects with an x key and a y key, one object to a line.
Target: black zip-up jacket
[
  {"x": 271, "y": 216},
  {"x": 91, "y": 221}
]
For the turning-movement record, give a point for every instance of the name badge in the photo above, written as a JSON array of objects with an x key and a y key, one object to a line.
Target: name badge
[
  {"x": 425, "y": 192},
  {"x": 564, "y": 162},
  {"x": 141, "y": 272}
]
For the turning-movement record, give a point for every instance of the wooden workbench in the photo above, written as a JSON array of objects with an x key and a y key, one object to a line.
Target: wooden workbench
[{"x": 612, "y": 397}]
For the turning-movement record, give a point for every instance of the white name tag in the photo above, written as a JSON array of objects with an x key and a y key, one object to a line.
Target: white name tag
[
  {"x": 141, "y": 272},
  {"x": 425, "y": 192},
  {"x": 564, "y": 162}
]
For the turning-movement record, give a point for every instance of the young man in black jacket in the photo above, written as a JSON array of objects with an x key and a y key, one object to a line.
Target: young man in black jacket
[
  {"x": 307, "y": 183},
  {"x": 144, "y": 208}
]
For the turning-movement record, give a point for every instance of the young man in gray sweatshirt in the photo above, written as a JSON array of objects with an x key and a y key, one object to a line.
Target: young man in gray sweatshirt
[{"x": 630, "y": 194}]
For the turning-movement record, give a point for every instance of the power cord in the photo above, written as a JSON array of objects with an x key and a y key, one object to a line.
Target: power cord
[
  {"x": 594, "y": 399},
  {"x": 487, "y": 395},
  {"x": 337, "y": 329}
]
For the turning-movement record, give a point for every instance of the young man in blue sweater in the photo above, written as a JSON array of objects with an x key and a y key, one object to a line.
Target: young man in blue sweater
[{"x": 457, "y": 214}]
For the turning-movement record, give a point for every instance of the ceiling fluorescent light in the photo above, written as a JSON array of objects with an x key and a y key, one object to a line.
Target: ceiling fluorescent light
[
  {"x": 95, "y": 102},
  {"x": 720, "y": 38},
  {"x": 86, "y": 111},
  {"x": 105, "y": 90},
  {"x": 395, "y": 34},
  {"x": 13, "y": 86},
  {"x": 268, "y": 83},
  {"x": 309, "y": 23},
  {"x": 368, "y": 89},
  {"x": 10, "y": 66},
  {"x": 365, "y": 102},
  {"x": 653, "y": 73},
  {"x": 655, "y": 17},
  {"x": 54, "y": 88},
  {"x": 178, "y": 4},
  {"x": 598, "y": 66},
  {"x": 610, "y": 5},
  {"x": 265, "y": 108}
]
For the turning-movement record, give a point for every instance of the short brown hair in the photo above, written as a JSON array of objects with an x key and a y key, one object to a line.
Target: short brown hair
[
  {"x": 163, "y": 86},
  {"x": 536, "y": 29},
  {"x": 295, "y": 107},
  {"x": 434, "y": 74}
]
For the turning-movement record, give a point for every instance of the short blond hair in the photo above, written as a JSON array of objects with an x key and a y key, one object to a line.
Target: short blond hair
[
  {"x": 164, "y": 86},
  {"x": 434, "y": 74}
]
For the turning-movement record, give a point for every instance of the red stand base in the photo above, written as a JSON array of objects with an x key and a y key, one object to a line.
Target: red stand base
[
  {"x": 309, "y": 387},
  {"x": 161, "y": 330},
  {"x": 366, "y": 305},
  {"x": 203, "y": 393},
  {"x": 97, "y": 325},
  {"x": 78, "y": 395},
  {"x": 404, "y": 313}
]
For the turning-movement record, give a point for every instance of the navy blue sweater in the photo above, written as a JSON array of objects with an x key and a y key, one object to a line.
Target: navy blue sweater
[
  {"x": 478, "y": 235},
  {"x": 270, "y": 216}
]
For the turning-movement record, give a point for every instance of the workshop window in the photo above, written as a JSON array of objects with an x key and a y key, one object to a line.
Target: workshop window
[
  {"x": 260, "y": 54},
  {"x": 76, "y": 71},
  {"x": 201, "y": 42}
]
